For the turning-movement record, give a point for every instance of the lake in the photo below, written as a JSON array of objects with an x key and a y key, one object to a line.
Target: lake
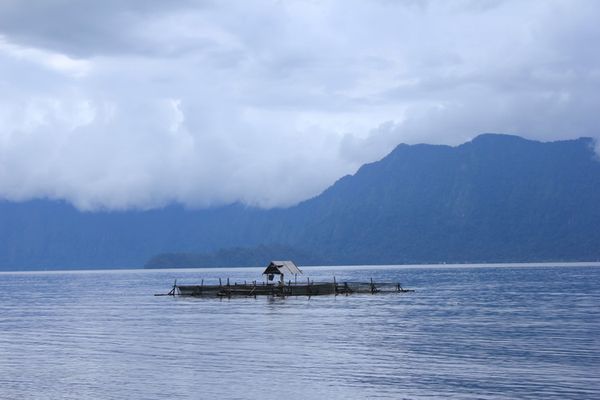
[{"x": 476, "y": 331}]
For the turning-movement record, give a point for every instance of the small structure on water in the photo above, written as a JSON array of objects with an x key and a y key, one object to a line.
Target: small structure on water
[
  {"x": 283, "y": 289},
  {"x": 281, "y": 268}
]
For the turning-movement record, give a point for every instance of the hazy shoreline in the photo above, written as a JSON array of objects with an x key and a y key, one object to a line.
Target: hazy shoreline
[{"x": 322, "y": 267}]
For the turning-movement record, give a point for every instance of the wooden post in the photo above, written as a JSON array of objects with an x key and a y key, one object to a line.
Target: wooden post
[{"x": 335, "y": 286}]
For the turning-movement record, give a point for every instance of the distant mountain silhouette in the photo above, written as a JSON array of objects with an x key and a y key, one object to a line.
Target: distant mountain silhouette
[
  {"x": 238, "y": 257},
  {"x": 497, "y": 198}
]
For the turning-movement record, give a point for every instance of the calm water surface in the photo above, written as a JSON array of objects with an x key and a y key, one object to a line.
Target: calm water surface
[{"x": 470, "y": 332}]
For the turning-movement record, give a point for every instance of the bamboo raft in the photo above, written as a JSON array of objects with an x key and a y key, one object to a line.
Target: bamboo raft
[
  {"x": 281, "y": 288},
  {"x": 308, "y": 288}
]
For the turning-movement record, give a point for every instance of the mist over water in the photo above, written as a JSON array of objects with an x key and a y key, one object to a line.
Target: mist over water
[{"x": 472, "y": 332}]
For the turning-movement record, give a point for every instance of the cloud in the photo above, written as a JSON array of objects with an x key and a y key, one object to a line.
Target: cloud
[
  {"x": 49, "y": 59},
  {"x": 123, "y": 104}
]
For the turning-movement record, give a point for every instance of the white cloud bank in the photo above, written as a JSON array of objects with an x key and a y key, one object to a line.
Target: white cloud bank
[{"x": 126, "y": 104}]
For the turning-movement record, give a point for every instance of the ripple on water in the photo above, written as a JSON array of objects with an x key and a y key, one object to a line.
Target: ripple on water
[{"x": 497, "y": 333}]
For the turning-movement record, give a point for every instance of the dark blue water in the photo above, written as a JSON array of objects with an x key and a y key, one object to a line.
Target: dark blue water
[{"x": 473, "y": 332}]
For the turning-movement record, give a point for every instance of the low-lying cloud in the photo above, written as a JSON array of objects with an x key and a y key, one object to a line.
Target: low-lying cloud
[{"x": 119, "y": 105}]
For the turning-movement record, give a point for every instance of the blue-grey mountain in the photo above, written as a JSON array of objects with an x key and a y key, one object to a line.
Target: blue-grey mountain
[{"x": 497, "y": 198}]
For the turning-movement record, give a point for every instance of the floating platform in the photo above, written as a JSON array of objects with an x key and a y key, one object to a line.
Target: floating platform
[
  {"x": 283, "y": 288},
  {"x": 309, "y": 288}
]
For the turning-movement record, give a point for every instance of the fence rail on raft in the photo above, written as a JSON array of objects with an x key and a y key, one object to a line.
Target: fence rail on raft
[{"x": 306, "y": 288}]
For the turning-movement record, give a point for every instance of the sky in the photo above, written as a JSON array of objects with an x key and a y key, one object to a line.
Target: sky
[{"x": 121, "y": 104}]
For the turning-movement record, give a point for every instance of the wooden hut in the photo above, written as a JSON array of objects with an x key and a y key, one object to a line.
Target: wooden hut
[{"x": 281, "y": 268}]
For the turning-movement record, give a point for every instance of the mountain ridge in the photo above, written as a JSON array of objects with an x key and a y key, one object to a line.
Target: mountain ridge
[{"x": 496, "y": 198}]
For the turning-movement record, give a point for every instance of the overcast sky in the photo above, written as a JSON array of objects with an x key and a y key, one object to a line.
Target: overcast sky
[{"x": 136, "y": 104}]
